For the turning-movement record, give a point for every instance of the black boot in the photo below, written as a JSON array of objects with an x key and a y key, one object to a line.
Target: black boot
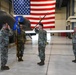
[
  {"x": 20, "y": 59},
  {"x": 74, "y": 60},
  {"x": 5, "y": 68},
  {"x": 41, "y": 63}
]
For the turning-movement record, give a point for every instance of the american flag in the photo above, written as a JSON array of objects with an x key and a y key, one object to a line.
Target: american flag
[{"x": 34, "y": 10}]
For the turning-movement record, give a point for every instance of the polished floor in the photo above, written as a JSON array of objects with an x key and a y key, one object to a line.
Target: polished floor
[{"x": 59, "y": 56}]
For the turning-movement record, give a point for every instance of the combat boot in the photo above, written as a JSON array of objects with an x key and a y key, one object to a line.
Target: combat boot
[
  {"x": 20, "y": 59},
  {"x": 5, "y": 68},
  {"x": 74, "y": 60},
  {"x": 41, "y": 63}
]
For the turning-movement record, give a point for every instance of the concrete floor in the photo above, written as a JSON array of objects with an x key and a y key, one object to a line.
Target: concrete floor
[{"x": 59, "y": 56}]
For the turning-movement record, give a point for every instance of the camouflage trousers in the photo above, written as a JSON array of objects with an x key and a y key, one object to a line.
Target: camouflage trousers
[
  {"x": 4, "y": 55},
  {"x": 74, "y": 49},
  {"x": 41, "y": 50},
  {"x": 20, "y": 50}
]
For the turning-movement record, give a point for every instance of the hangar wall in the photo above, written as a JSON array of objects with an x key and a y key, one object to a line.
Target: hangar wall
[
  {"x": 60, "y": 19},
  {"x": 6, "y": 6},
  {"x": 75, "y": 7}
]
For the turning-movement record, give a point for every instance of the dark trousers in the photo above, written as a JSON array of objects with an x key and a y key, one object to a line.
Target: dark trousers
[
  {"x": 4, "y": 55},
  {"x": 20, "y": 50},
  {"x": 41, "y": 50},
  {"x": 74, "y": 49}
]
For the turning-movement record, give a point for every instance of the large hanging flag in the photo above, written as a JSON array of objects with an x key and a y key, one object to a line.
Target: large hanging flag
[{"x": 36, "y": 9}]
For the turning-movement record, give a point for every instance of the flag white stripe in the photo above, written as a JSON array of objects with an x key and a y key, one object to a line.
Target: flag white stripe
[
  {"x": 49, "y": 20},
  {"x": 42, "y": 7},
  {"x": 44, "y": 25},
  {"x": 43, "y": 2},
  {"x": 47, "y": 16}
]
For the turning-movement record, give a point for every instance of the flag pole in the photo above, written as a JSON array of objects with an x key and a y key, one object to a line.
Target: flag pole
[
  {"x": 40, "y": 20},
  {"x": 16, "y": 42}
]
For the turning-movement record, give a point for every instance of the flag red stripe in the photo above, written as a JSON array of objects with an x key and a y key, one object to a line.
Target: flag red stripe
[{"x": 43, "y": 9}]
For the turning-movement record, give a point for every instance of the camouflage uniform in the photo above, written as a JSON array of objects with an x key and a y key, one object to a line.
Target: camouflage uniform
[
  {"x": 4, "y": 42},
  {"x": 74, "y": 43},
  {"x": 42, "y": 39},
  {"x": 21, "y": 38}
]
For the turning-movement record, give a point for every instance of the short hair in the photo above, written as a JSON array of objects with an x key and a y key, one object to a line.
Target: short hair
[
  {"x": 41, "y": 24},
  {"x": 4, "y": 22},
  {"x": 21, "y": 23}
]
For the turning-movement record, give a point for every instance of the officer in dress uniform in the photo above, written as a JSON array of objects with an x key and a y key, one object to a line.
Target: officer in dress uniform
[
  {"x": 5, "y": 32},
  {"x": 74, "y": 44},
  {"x": 42, "y": 39},
  {"x": 20, "y": 41}
]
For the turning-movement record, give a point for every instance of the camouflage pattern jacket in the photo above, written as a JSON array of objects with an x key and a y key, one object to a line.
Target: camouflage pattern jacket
[
  {"x": 20, "y": 38},
  {"x": 42, "y": 38},
  {"x": 74, "y": 38},
  {"x": 4, "y": 37}
]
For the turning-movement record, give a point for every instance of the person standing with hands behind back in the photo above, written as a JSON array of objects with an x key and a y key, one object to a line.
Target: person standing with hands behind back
[
  {"x": 74, "y": 44},
  {"x": 42, "y": 39},
  {"x": 5, "y": 32}
]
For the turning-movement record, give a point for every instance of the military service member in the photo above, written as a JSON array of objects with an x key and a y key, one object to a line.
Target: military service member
[
  {"x": 42, "y": 39},
  {"x": 20, "y": 41},
  {"x": 74, "y": 44},
  {"x": 5, "y": 32}
]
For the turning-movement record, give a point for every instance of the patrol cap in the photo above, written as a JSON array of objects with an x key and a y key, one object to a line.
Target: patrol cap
[
  {"x": 41, "y": 24},
  {"x": 4, "y": 22}
]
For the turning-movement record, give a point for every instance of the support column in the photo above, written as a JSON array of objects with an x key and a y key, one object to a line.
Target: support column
[
  {"x": 0, "y": 4},
  {"x": 73, "y": 12}
]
